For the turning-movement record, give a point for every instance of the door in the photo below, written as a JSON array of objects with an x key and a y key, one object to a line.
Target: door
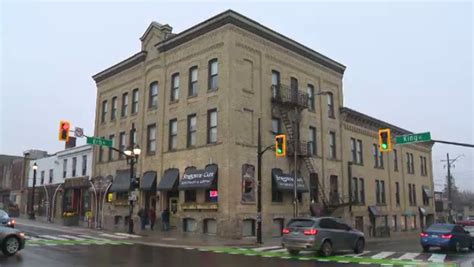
[
  {"x": 348, "y": 236},
  {"x": 333, "y": 190},
  {"x": 173, "y": 208}
]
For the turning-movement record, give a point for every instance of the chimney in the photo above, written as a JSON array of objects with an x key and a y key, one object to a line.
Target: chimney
[{"x": 71, "y": 143}]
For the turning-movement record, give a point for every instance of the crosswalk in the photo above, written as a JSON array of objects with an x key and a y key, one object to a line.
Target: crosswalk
[
  {"x": 385, "y": 258},
  {"x": 36, "y": 240}
]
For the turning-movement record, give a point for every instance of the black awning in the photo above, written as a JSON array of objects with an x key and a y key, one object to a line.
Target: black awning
[
  {"x": 198, "y": 179},
  {"x": 169, "y": 180},
  {"x": 427, "y": 191},
  {"x": 375, "y": 211},
  {"x": 121, "y": 182},
  {"x": 284, "y": 181},
  {"x": 148, "y": 182}
]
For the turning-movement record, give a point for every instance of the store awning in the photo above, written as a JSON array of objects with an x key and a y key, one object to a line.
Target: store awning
[
  {"x": 427, "y": 191},
  {"x": 169, "y": 180},
  {"x": 79, "y": 182},
  {"x": 375, "y": 211},
  {"x": 422, "y": 211},
  {"x": 148, "y": 182},
  {"x": 284, "y": 181},
  {"x": 198, "y": 178},
  {"x": 121, "y": 182}
]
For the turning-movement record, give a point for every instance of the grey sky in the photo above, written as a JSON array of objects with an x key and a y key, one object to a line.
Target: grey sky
[{"x": 408, "y": 64}]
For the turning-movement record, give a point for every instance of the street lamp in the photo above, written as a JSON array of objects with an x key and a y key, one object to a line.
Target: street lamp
[
  {"x": 132, "y": 154},
  {"x": 32, "y": 212}
]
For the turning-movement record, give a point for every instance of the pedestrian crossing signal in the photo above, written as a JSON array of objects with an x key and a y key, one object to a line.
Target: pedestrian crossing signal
[
  {"x": 64, "y": 127},
  {"x": 385, "y": 140},
  {"x": 280, "y": 145}
]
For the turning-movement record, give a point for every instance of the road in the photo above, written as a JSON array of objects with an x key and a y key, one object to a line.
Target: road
[{"x": 60, "y": 247}]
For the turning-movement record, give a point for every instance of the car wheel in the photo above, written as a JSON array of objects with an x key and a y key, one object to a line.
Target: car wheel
[
  {"x": 10, "y": 246},
  {"x": 326, "y": 249},
  {"x": 426, "y": 248},
  {"x": 359, "y": 248},
  {"x": 293, "y": 252},
  {"x": 457, "y": 247}
]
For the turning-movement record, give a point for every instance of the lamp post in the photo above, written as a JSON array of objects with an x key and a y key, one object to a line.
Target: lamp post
[
  {"x": 32, "y": 212},
  {"x": 132, "y": 154}
]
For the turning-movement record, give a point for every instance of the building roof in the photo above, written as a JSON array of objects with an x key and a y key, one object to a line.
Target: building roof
[{"x": 224, "y": 18}]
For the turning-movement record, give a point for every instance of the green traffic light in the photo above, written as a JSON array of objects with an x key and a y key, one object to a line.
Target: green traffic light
[
  {"x": 384, "y": 146},
  {"x": 280, "y": 150}
]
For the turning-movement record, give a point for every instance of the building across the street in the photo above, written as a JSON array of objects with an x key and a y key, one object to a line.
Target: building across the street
[{"x": 195, "y": 98}]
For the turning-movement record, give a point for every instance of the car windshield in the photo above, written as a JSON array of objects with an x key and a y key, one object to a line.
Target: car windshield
[
  {"x": 301, "y": 223},
  {"x": 3, "y": 214},
  {"x": 441, "y": 228}
]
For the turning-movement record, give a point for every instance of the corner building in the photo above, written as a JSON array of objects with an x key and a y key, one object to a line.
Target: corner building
[{"x": 194, "y": 99}]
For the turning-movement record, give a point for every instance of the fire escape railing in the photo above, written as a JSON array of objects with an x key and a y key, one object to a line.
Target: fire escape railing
[{"x": 284, "y": 94}]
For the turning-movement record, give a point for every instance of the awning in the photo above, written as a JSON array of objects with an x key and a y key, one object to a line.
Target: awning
[
  {"x": 427, "y": 191},
  {"x": 121, "y": 182},
  {"x": 148, "y": 182},
  {"x": 409, "y": 213},
  {"x": 375, "y": 211},
  {"x": 79, "y": 182},
  {"x": 422, "y": 211},
  {"x": 284, "y": 181},
  {"x": 198, "y": 178},
  {"x": 168, "y": 181}
]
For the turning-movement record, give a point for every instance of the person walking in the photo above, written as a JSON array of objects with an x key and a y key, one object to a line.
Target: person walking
[
  {"x": 165, "y": 218},
  {"x": 143, "y": 216},
  {"x": 152, "y": 218}
]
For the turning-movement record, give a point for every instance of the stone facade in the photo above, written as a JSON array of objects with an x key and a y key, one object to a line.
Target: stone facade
[{"x": 247, "y": 53}]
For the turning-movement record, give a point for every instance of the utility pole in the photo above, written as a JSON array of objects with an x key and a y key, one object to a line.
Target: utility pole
[
  {"x": 259, "y": 185},
  {"x": 449, "y": 162}
]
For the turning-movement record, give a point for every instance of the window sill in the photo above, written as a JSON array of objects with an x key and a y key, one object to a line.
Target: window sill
[
  {"x": 192, "y": 96},
  {"x": 172, "y": 102},
  {"x": 148, "y": 154},
  {"x": 134, "y": 114},
  {"x": 152, "y": 108},
  {"x": 210, "y": 91}
]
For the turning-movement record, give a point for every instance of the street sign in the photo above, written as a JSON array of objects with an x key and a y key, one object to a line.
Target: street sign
[
  {"x": 413, "y": 138},
  {"x": 99, "y": 141},
  {"x": 78, "y": 132}
]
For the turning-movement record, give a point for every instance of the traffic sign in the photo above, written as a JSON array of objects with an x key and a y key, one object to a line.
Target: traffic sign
[
  {"x": 99, "y": 141},
  {"x": 413, "y": 138},
  {"x": 78, "y": 132}
]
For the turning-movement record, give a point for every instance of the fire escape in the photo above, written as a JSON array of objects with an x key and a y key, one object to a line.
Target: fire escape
[{"x": 289, "y": 100}]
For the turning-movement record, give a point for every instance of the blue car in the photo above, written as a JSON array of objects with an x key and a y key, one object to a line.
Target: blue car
[{"x": 445, "y": 236}]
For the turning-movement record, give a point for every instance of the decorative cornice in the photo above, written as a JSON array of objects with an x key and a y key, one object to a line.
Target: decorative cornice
[{"x": 121, "y": 66}]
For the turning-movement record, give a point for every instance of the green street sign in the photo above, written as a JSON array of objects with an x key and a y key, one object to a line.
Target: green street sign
[
  {"x": 99, "y": 141},
  {"x": 413, "y": 138}
]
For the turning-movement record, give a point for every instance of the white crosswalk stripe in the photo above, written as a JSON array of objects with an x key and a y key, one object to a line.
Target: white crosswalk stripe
[
  {"x": 73, "y": 237},
  {"x": 437, "y": 257},
  {"x": 266, "y": 248},
  {"x": 127, "y": 235},
  {"x": 382, "y": 255},
  {"x": 53, "y": 237},
  {"x": 279, "y": 250},
  {"x": 94, "y": 238},
  {"x": 408, "y": 256},
  {"x": 113, "y": 236}
]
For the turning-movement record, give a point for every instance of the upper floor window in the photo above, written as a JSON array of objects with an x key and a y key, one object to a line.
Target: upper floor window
[
  {"x": 276, "y": 126},
  {"x": 332, "y": 145},
  {"x": 378, "y": 157},
  {"x": 122, "y": 137},
  {"x": 360, "y": 158},
  {"x": 173, "y": 134},
  {"x": 423, "y": 169},
  {"x": 42, "y": 177},
  {"x": 311, "y": 105},
  {"x": 151, "y": 139},
  {"x": 175, "y": 87},
  {"x": 395, "y": 160},
  {"x": 191, "y": 135},
  {"x": 410, "y": 164},
  {"x": 105, "y": 108},
  {"x": 64, "y": 168},
  {"x": 135, "y": 101},
  {"x": 397, "y": 193},
  {"x": 213, "y": 74},
  {"x": 330, "y": 105},
  {"x": 361, "y": 190},
  {"x": 124, "y": 104},
  {"x": 74, "y": 165},
  {"x": 111, "y": 151},
  {"x": 153, "y": 95},
  {"x": 113, "y": 113},
  {"x": 51, "y": 174},
  {"x": 134, "y": 138},
  {"x": 380, "y": 191},
  {"x": 275, "y": 83},
  {"x": 312, "y": 140},
  {"x": 212, "y": 126},
  {"x": 293, "y": 84},
  {"x": 193, "y": 81},
  {"x": 84, "y": 165},
  {"x": 354, "y": 150}
]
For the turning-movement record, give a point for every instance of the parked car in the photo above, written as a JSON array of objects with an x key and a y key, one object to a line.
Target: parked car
[
  {"x": 323, "y": 235},
  {"x": 445, "y": 236},
  {"x": 470, "y": 218},
  {"x": 5, "y": 220},
  {"x": 11, "y": 240},
  {"x": 468, "y": 226}
]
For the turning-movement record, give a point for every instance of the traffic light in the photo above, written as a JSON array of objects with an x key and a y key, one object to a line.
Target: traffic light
[
  {"x": 385, "y": 140},
  {"x": 64, "y": 127},
  {"x": 280, "y": 145}
]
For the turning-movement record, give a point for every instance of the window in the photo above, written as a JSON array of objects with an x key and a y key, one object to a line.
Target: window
[
  {"x": 360, "y": 158},
  {"x": 276, "y": 126},
  {"x": 275, "y": 84},
  {"x": 42, "y": 177},
  {"x": 135, "y": 101},
  {"x": 64, "y": 168},
  {"x": 213, "y": 74},
  {"x": 330, "y": 105},
  {"x": 426, "y": 200},
  {"x": 413, "y": 190},
  {"x": 124, "y": 104},
  {"x": 397, "y": 193},
  {"x": 294, "y": 84},
  {"x": 354, "y": 150},
  {"x": 332, "y": 145},
  {"x": 191, "y": 135},
  {"x": 193, "y": 81},
  {"x": 153, "y": 95},
  {"x": 423, "y": 168},
  {"x": 395, "y": 160},
  {"x": 101, "y": 154},
  {"x": 314, "y": 185},
  {"x": 173, "y": 134},
  {"x": 134, "y": 137},
  {"x": 382, "y": 192},
  {"x": 151, "y": 139},
  {"x": 312, "y": 141},
  {"x": 277, "y": 196},
  {"x": 212, "y": 126},
  {"x": 74, "y": 165},
  {"x": 361, "y": 190},
  {"x": 121, "y": 143},
  {"x": 208, "y": 197},
  {"x": 175, "y": 87},
  {"x": 111, "y": 151},
  {"x": 410, "y": 164},
  {"x": 190, "y": 196},
  {"x": 113, "y": 113},
  {"x": 104, "y": 110},
  {"x": 51, "y": 174},
  {"x": 380, "y": 159},
  {"x": 84, "y": 165},
  {"x": 377, "y": 191},
  {"x": 355, "y": 190},
  {"x": 311, "y": 105},
  {"x": 410, "y": 195}
]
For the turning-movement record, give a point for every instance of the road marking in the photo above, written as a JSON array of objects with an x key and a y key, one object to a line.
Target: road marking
[
  {"x": 286, "y": 257},
  {"x": 382, "y": 255},
  {"x": 128, "y": 235},
  {"x": 266, "y": 248},
  {"x": 437, "y": 257},
  {"x": 408, "y": 256},
  {"x": 278, "y": 250},
  {"x": 113, "y": 236},
  {"x": 322, "y": 260},
  {"x": 385, "y": 264},
  {"x": 95, "y": 238},
  {"x": 305, "y": 258},
  {"x": 358, "y": 255},
  {"x": 343, "y": 261},
  {"x": 366, "y": 263},
  {"x": 53, "y": 237},
  {"x": 73, "y": 237}
]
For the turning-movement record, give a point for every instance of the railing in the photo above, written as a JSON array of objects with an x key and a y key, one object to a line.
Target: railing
[
  {"x": 287, "y": 95},
  {"x": 305, "y": 149}
]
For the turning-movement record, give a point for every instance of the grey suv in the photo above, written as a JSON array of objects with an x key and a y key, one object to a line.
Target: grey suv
[{"x": 322, "y": 234}]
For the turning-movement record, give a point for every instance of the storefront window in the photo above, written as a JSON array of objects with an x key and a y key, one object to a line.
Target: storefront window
[
  {"x": 86, "y": 200},
  {"x": 248, "y": 183}
]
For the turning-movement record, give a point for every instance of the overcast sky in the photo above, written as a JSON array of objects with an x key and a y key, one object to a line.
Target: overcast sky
[{"x": 407, "y": 64}]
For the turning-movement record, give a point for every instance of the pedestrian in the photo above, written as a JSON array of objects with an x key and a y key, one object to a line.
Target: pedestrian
[
  {"x": 152, "y": 217},
  {"x": 143, "y": 216},
  {"x": 165, "y": 218}
]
